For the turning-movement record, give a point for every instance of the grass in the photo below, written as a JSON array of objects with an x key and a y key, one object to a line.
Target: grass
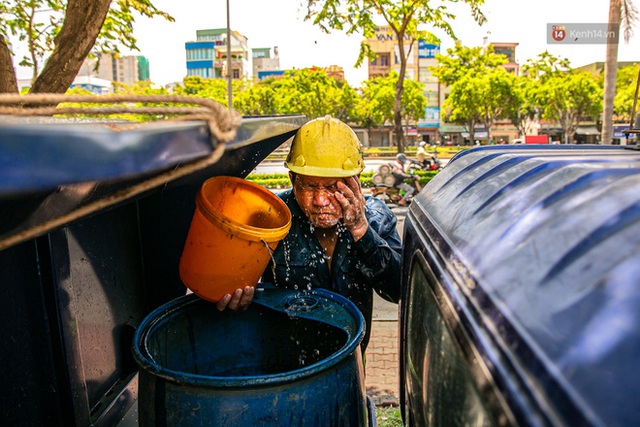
[{"x": 388, "y": 416}]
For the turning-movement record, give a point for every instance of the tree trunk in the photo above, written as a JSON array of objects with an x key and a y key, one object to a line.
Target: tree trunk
[
  {"x": 397, "y": 104},
  {"x": 82, "y": 23},
  {"x": 8, "y": 82},
  {"x": 397, "y": 116},
  {"x": 610, "y": 71},
  {"x": 472, "y": 131}
]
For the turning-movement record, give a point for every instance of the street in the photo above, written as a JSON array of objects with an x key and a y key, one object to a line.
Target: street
[{"x": 277, "y": 166}]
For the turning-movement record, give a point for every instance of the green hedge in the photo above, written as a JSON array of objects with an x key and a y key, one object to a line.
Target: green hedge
[{"x": 281, "y": 180}]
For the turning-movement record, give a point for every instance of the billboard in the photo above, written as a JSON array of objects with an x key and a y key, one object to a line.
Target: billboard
[
  {"x": 617, "y": 132},
  {"x": 431, "y": 118},
  {"x": 427, "y": 50}
]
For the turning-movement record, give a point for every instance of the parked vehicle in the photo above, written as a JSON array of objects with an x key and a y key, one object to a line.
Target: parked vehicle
[
  {"x": 434, "y": 162},
  {"x": 521, "y": 303}
]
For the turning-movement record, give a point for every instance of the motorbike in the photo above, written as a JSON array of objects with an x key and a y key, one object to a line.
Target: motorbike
[
  {"x": 432, "y": 163},
  {"x": 384, "y": 184}
]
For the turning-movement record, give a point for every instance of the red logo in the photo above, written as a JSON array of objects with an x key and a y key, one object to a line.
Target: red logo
[{"x": 558, "y": 32}]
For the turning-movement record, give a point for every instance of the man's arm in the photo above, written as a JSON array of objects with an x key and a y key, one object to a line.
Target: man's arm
[{"x": 380, "y": 250}]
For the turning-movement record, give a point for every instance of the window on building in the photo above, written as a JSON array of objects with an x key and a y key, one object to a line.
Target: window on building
[
  {"x": 384, "y": 60},
  {"x": 200, "y": 72},
  {"x": 236, "y": 73},
  {"x": 432, "y": 98}
]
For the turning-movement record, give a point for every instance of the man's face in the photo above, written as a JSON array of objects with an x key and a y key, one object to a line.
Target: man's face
[{"x": 316, "y": 198}]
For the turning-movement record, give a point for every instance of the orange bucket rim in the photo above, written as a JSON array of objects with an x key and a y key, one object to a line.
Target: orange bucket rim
[{"x": 247, "y": 232}]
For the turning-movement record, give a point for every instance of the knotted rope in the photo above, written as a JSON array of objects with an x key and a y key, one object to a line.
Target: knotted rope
[
  {"x": 222, "y": 122},
  {"x": 222, "y": 125}
]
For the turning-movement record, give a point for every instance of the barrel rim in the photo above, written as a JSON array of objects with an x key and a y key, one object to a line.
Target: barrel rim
[{"x": 146, "y": 363}]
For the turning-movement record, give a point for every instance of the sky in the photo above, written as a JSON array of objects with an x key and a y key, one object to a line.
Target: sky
[{"x": 269, "y": 23}]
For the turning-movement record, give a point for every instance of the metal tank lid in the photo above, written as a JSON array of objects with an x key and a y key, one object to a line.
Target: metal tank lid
[
  {"x": 543, "y": 242},
  {"x": 56, "y": 170}
]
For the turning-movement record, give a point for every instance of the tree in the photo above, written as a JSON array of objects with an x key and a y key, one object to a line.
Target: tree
[
  {"x": 256, "y": 99},
  {"x": 481, "y": 98},
  {"x": 311, "y": 92},
  {"x": 569, "y": 98},
  {"x": 620, "y": 12},
  {"x": 627, "y": 78},
  {"x": 520, "y": 108},
  {"x": 61, "y": 34},
  {"x": 496, "y": 88},
  {"x": 215, "y": 89},
  {"x": 462, "y": 104},
  {"x": 545, "y": 66},
  {"x": 461, "y": 60},
  {"x": 402, "y": 16},
  {"x": 376, "y": 106},
  {"x": 305, "y": 91},
  {"x": 479, "y": 85},
  {"x": 537, "y": 72}
]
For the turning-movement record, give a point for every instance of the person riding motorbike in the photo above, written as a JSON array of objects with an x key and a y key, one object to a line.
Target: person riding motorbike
[
  {"x": 428, "y": 162},
  {"x": 422, "y": 155},
  {"x": 399, "y": 173}
]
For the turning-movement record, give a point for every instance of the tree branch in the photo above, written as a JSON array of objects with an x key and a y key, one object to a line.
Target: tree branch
[{"x": 82, "y": 23}]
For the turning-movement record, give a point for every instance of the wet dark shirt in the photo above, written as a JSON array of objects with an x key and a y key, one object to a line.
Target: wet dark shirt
[{"x": 357, "y": 268}]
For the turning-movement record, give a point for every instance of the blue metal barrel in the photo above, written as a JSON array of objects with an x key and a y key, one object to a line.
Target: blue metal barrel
[{"x": 293, "y": 358}]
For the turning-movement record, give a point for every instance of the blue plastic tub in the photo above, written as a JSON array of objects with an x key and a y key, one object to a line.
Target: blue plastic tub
[{"x": 293, "y": 358}]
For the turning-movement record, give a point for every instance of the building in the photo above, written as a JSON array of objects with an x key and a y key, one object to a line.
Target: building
[
  {"x": 207, "y": 56},
  {"x": 508, "y": 50},
  {"x": 117, "y": 69},
  {"x": 428, "y": 129},
  {"x": 385, "y": 44},
  {"x": 144, "y": 74},
  {"x": 274, "y": 74},
  {"x": 335, "y": 71},
  {"x": 263, "y": 61},
  {"x": 597, "y": 68},
  {"x": 95, "y": 85}
]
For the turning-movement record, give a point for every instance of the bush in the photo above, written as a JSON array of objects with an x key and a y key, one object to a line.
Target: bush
[
  {"x": 388, "y": 416},
  {"x": 281, "y": 180}
]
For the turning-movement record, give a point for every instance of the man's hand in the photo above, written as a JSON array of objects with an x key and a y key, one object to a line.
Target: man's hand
[
  {"x": 352, "y": 201},
  {"x": 238, "y": 302}
]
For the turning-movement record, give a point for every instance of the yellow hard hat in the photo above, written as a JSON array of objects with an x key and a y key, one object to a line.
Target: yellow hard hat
[{"x": 325, "y": 147}]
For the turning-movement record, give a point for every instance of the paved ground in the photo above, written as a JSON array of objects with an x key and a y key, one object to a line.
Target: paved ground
[{"x": 382, "y": 370}]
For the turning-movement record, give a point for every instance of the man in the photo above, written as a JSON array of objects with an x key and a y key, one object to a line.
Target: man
[
  {"x": 339, "y": 240},
  {"x": 400, "y": 175},
  {"x": 422, "y": 156}
]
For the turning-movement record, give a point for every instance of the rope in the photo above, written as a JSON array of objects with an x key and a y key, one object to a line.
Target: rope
[
  {"x": 222, "y": 125},
  {"x": 222, "y": 122}
]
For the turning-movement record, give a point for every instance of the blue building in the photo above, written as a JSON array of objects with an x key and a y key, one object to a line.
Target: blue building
[{"x": 207, "y": 56}]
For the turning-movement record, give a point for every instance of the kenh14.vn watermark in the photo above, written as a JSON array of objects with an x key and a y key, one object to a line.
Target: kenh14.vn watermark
[{"x": 581, "y": 34}]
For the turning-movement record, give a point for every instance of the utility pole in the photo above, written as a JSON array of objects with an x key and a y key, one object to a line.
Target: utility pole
[{"x": 229, "y": 60}]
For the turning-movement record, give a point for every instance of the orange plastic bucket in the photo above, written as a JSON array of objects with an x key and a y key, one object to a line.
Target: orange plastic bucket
[{"x": 226, "y": 248}]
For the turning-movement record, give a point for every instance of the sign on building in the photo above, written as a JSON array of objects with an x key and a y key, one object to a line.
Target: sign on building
[
  {"x": 431, "y": 118},
  {"x": 427, "y": 50}
]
